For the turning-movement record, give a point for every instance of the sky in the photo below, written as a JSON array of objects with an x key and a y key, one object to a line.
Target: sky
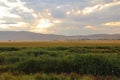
[{"x": 64, "y": 17}]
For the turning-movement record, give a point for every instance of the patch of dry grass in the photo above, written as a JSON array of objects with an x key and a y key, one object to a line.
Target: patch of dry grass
[{"x": 62, "y": 43}]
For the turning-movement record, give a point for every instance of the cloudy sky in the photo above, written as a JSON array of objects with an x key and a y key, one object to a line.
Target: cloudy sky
[{"x": 66, "y": 17}]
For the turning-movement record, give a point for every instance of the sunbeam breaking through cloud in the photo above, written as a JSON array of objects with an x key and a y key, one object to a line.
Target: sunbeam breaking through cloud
[{"x": 65, "y": 17}]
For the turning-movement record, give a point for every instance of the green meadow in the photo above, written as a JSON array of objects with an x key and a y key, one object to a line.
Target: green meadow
[{"x": 60, "y": 60}]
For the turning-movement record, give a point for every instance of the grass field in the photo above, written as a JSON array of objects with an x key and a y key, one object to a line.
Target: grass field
[
  {"x": 63, "y": 43},
  {"x": 60, "y": 60}
]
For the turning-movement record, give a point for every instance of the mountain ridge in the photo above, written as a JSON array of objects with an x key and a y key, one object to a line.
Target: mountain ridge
[{"x": 31, "y": 36}]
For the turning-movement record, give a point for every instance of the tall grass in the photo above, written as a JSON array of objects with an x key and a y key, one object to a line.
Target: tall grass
[
  {"x": 63, "y": 76},
  {"x": 60, "y": 60}
]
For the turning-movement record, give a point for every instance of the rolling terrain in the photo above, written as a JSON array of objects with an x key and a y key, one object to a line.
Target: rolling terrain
[{"x": 30, "y": 36}]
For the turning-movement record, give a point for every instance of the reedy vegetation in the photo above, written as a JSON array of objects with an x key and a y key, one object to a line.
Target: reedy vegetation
[{"x": 62, "y": 62}]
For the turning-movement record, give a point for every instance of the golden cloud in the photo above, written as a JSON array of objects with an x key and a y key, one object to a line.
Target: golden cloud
[
  {"x": 90, "y": 27},
  {"x": 112, "y": 24},
  {"x": 92, "y": 9},
  {"x": 99, "y": 7}
]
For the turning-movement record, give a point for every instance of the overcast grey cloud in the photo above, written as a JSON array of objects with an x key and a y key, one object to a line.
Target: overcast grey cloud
[{"x": 67, "y": 17}]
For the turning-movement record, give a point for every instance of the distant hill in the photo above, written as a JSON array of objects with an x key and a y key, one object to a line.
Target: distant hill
[{"x": 30, "y": 36}]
